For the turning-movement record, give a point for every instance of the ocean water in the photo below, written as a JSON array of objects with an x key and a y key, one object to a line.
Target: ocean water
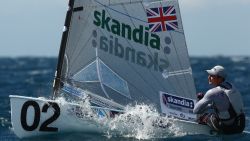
[{"x": 31, "y": 76}]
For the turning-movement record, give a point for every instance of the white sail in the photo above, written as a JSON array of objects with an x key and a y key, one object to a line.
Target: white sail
[{"x": 128, "y": 51}]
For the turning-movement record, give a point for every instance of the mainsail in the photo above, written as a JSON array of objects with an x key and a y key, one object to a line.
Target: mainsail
[{"x": 127, "y": 51}]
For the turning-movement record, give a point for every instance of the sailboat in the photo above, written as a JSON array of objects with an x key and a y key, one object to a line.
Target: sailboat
[{"x": 115, "y": 53}]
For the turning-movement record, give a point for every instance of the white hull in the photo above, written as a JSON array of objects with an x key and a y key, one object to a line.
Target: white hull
[
  {"x": 66, "y": 122},
  {"x": 34, "y": 117}
]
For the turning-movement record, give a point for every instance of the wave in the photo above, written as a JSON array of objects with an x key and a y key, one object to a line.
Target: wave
[
  {"x": 39, "y": 72},
  {"x": 5, "y": 122}
]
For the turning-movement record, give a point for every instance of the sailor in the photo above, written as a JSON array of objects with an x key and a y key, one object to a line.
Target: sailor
[{"x": 221, "y": 107}]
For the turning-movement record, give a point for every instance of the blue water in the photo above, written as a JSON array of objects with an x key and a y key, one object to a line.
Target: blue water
[{"x": 34, "y": 76}]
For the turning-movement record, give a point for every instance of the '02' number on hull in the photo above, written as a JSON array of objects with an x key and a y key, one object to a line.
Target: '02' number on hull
[{"x": 37, "y": 116}]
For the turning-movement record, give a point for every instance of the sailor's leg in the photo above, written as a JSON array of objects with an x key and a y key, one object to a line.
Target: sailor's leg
[
  {"x": 202, "y": 119},
  {"x": 214, "y": 122}
]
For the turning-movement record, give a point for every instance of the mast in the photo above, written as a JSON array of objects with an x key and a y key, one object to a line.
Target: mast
[{"x": 57, "y": 79}]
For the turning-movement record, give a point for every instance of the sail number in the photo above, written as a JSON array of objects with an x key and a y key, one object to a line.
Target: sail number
[{"x": 37, "y": 115}]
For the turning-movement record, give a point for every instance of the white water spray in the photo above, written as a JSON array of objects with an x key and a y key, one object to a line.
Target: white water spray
[{"x": 140, "y": 121}]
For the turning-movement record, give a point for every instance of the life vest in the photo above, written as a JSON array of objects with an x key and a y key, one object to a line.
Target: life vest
[{"x": 235, "y": 111}]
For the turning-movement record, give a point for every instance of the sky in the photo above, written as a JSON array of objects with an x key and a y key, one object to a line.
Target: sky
[{"x": 212, "y": 27}]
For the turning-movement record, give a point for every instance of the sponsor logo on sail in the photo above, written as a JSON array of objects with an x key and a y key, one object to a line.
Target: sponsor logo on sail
[
  {"x": 113, "y": 43},
  {"x": 139, "y": 34}
]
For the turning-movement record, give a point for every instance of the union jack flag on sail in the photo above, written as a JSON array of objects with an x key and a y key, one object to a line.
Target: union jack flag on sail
[{"x": 162, "y": 19}]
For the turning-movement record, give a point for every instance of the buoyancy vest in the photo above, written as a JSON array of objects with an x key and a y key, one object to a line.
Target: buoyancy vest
[
  {"x": 235, "y": 99},
  {"x": 235, "y": 110}
]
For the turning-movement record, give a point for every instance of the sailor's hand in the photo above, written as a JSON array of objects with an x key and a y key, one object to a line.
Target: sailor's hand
[{"x": 200, "y": 95}]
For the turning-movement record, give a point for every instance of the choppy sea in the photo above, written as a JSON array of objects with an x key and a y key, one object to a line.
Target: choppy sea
[{"x": 31, "y": 76}]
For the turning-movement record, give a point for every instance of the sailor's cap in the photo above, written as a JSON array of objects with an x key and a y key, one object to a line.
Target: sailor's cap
[{"x": 217, "y": 71}]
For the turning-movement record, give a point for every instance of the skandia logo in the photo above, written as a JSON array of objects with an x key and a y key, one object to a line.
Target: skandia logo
[
  {"x": 179, "y": 101},
  {"x": 140, "y": 34}
]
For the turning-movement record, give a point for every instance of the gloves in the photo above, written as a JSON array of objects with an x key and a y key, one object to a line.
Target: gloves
[{"x": 200, "y": 95}]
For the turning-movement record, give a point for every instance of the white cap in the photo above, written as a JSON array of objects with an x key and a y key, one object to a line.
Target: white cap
[{"x": 217, "y": 71}]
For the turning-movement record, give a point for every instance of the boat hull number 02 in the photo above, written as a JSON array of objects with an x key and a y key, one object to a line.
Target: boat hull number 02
[{"x": 37, "y": 115}]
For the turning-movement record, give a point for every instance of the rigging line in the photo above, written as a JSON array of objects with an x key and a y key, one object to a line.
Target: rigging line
[
  {"x": 91, "y": 61},
  {"x": 99, "y": 74},
  {"x": 66, "y": 62},
  {"x": 165, "y": 57},
  {"x": 139, "y": 74},
  {"x": 87, "y": 64},
  {"x": 117, "y": 75}
]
